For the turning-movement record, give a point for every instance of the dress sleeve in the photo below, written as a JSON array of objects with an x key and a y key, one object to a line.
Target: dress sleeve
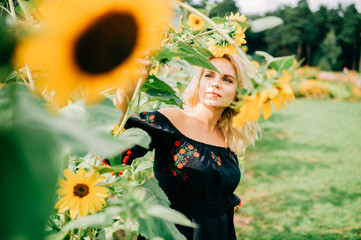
[{"x": 149, "y": 122}]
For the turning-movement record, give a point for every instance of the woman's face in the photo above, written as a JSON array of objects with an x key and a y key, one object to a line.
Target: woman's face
[{"x": 218, "y": 90}]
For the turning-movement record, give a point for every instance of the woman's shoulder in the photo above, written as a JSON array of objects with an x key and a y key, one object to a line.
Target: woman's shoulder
[{"x": 172, "y": 113}]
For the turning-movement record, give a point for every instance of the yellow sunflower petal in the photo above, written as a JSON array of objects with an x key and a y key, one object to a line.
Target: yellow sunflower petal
[
  {"x": 267, "y": 110},
  {"x": 276, "y": 102},
  {"x": 69, "y": 175}
]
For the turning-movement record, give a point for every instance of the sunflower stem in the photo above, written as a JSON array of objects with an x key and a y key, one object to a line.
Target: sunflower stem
[
  {"x": 199, "y": 35},
  {"x": 126, "y": 115},
  {"x": 251, "y": 69}
]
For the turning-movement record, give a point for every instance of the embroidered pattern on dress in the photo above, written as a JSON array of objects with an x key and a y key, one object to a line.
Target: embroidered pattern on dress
[
  {"x": 181, "y": 154},
  {"x": 148, "y": 117},
  {"x": 216, "y": 158},
  {"x": 232, "y": 156}
]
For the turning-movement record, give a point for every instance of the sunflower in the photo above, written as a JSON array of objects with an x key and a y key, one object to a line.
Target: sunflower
[
  {"x": 94, "y": 48},
  {"x": 81, "y": 193},
  {"x": 218, "y": 46},
  {"x": 195, "y": 22},
  {"x": 220, "y": 49}
]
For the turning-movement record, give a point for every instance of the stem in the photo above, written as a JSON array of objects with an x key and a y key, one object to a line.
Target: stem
[
  {"x": 251, "y": 68},
  {"x": 80, "y": 232},
  {"x": 31, "y": 82},
  {"x": 90, "y": 234},
  {"x": 12, "y": 10},
  {"x": 6, "y": 10},
  {"x": 199, "y": 35},
  {"x": 126, "y": 115}
]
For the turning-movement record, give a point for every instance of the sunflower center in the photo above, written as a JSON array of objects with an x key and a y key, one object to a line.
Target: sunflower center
[
  {"x": 81, "y": 190},
  {"x": 107, "y": 43},
  {"x": 197, "y": 22}
]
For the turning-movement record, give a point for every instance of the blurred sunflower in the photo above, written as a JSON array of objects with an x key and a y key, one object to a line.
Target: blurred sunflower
[
  {"x": 81, "y": 193},
  {"x": 95, "y": 48},
  {"x": 237, "y": 17},
  {"x": 285, "y": 90},
  {"x": 195, "y": 22}
]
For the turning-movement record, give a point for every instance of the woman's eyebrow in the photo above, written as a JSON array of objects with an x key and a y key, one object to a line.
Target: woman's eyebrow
[{"x": 227, "y": 75}]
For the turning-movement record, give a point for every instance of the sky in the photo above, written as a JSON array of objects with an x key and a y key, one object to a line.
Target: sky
[{"x": 263, "y": 6}]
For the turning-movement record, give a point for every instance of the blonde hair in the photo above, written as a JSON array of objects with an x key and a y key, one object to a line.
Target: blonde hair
[{"x": 236, "y": 139}]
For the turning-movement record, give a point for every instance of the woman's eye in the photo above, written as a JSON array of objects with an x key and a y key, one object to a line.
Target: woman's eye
[
  {"x": 208, "y": 75},
  {"x": 228, "y": 80}
]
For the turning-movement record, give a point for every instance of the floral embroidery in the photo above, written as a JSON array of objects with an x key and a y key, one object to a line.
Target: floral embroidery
[
  {"x": 216, "y": 158},
  {"x": 181, "y": 154},
  {"x": 238, "y": 206},
  {"x": 232, "y": 156},
  {"x": 148, "y": 117}
]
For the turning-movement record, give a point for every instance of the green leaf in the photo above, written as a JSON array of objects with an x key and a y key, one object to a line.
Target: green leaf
[
  {"x": 169, "y": 215},
  {"x": 153, "y": 187},
  {"x": 103, "y": 170},
  {"x": 193, "y": 57},
  {"x": 158, "y": 90},
  {"x": 166, "y": 53},
  {"x": 282, "y": 63},
  {"x": 204, "y": 51},
  {"x": 262, "y": 24}
]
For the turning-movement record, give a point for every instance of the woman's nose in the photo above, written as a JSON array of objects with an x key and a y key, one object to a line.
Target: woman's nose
[{"x": 215, "y": 83}]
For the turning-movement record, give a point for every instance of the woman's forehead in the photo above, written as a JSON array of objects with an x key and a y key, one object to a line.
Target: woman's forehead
[{"x": 224, "y": 66}]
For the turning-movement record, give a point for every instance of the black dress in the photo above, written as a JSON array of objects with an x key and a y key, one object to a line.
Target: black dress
[{"x": 199, "y": 179}]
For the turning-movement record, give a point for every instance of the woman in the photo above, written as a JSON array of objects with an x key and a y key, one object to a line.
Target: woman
[{"x": 195, "y": 149}]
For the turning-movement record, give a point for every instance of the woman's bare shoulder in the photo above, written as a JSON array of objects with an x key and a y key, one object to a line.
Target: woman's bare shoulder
[
  {"x": 173, "y": 114},
  {"x": 170, "y": 112}
]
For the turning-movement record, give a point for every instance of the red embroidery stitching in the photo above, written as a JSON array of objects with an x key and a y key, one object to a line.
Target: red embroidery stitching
[{"x": 181, "y": 154}]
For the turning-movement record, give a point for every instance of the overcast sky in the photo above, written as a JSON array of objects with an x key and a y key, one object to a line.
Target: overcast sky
[{"x": 262, "y": 6}]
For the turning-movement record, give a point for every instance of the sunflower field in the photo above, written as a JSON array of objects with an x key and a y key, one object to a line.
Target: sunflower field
[{"x": 62, "y": 63}]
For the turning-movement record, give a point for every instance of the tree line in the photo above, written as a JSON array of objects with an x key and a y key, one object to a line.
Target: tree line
[{"x": 328, "y": 38}]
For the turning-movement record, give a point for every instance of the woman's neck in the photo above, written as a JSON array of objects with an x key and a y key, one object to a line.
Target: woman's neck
[{"x": 206, "y": 116}]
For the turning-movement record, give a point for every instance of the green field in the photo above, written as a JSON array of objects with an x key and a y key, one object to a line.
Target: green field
[{"x": 303, "y": 178}]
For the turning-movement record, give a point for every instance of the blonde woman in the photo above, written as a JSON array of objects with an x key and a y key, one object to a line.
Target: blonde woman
[{"x": 196, "y": 149}]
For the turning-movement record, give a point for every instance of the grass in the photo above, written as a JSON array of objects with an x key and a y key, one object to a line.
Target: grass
[{"x": 303, "y": 178}]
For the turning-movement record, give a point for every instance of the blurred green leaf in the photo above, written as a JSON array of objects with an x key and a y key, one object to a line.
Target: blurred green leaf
[
  {"x": 97, "y": 220},
  {"x": 101, "y": 116},
  {"x": 169, "y": 215},
  {"x": 154, "y": 227},
  {"x": 262, "y": 24},
  {"x": 279, "y": 63},
  {"x": 143, "y": 166},
  {"x": 219, "y": 20}
]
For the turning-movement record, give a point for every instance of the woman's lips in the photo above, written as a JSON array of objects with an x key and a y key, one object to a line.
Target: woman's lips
[{"x": 213, "y": 94}]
